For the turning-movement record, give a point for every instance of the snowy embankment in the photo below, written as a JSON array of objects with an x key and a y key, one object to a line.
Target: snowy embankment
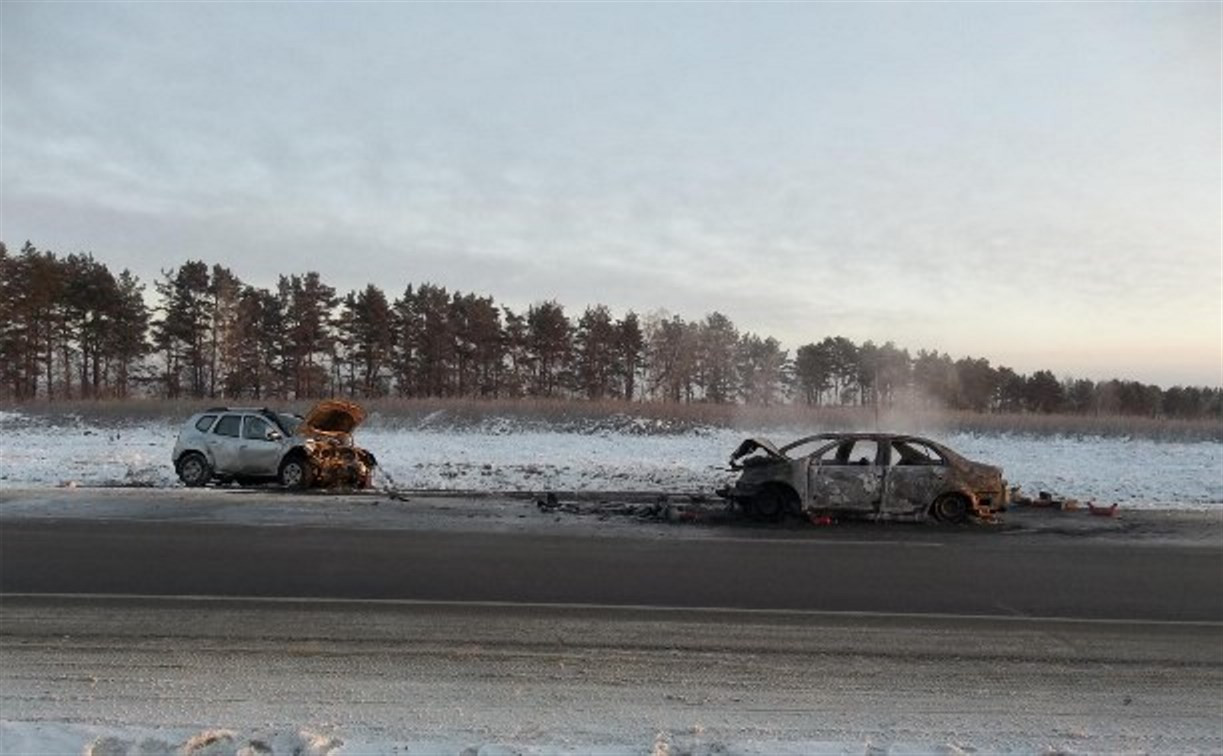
[
  {"x": 627, "y": 455},
  {"x": 48, "y": 738}
]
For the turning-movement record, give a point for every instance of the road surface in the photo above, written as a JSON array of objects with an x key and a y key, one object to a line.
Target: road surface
[
  {"x": 603, "y": 640},
  {"x": 910, "y": 575}
]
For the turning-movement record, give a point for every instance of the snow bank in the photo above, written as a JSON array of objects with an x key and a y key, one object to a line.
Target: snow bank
[
  {"x": 56, "y": 738},
  {"x": 621, "y": 455}
]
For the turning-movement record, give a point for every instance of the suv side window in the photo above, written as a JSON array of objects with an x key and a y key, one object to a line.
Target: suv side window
[
  {"x": 256, "y": 428},
  {"x": 228, "y": 425},
  {"x": 205, "y": 422}
]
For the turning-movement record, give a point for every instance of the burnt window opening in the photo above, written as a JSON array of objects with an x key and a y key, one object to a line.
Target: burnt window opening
[
  {"x": 865, "y": 452},
  {"x": 915, "y": 453},
  {"x": 833, "y": 454}
]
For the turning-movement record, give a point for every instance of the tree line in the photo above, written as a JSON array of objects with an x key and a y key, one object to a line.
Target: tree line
[{"x": 70, "y": 328}]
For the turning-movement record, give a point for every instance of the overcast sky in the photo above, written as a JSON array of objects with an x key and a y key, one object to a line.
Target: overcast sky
[{"x": 1038, "y": 183}]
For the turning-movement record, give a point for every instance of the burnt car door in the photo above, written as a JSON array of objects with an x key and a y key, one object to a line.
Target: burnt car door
[
  {"x": 846, "y": 475},
  {"x": 225, "y": 444},
  {"x": 916, "y": 475},
  {"x": 261, "y": 446}
]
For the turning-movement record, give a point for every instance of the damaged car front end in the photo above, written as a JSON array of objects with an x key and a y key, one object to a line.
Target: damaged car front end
[
  {"x": 765, "y": 488},
  {"x": 874, "y": 475},
  {"x": 326, "y": 444}
]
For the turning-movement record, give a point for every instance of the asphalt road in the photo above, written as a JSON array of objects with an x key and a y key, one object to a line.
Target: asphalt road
[
  {"x": 381, "y": 676},
  {"x": 390, "y": 626},
  {"x": 973, "y": 576}
]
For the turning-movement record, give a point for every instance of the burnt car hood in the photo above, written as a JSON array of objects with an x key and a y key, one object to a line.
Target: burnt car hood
[
  {"x": 332, "y": 417},
  {"x": 751, "y": 446}
]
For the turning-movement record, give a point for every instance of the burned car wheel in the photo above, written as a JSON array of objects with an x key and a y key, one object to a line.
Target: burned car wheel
[
  {"x": 295, "y": 472},
  {"x": 951, "y": 508},
  {"x": 771, "y": 503},
  {"x": 193, "y": 469}
]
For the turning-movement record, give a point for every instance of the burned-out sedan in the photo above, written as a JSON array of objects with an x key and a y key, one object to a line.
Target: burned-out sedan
[{"x": 876, "y": 475}]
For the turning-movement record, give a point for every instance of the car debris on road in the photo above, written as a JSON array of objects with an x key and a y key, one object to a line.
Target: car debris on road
[
  {"x": 1051, "y": 501},
  {"x": 663, "y": 508}
]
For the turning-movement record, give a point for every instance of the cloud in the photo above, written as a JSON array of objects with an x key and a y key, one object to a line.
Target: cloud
[{"x": 946, "y": 176}]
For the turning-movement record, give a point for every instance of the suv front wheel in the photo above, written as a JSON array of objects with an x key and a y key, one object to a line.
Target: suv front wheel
[
  {"x": 295, "y": 472},
  {"x": 193, "y": 469}
]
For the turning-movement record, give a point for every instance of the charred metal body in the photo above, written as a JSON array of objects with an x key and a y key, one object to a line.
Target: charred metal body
[{"x": 877, "y": 475}]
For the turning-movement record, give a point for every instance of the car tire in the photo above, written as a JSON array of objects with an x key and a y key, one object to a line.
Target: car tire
[
  {"x": 950, "y": 508},
  {"x": 295, "y": 473},
  {"x": 770, "y": 504},
  {"x": 193, "y": 470}
]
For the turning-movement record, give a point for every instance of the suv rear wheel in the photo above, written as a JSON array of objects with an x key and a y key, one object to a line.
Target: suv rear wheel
[{"x": 193, "y": 469}]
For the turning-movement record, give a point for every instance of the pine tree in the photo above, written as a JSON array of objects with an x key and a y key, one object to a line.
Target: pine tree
[
  {"x": 762, "y": 368},
  {"x": 225, "y": 336},
  {"x": 258, "y": 370},
  {"x": 484, "y": 343},
  {"x": 520, "y": 365},
  {"x": 717, "y": 342},
  {"x": 813, "y": 372},
  {"x": 371, "y": 339},
  {"x": 308, "y": 305},
  {"x": 181, "y": 333},
  {"x": 126, "y": 341},
  {"x": 630, "y": 348},
  {"x": 594, "y": 352},
  {"x": 672, "y": 353},
  {"x": 435, "y": 342},
  {"x": 548, "y": 344},
  {"x": 405, "y": 323}
]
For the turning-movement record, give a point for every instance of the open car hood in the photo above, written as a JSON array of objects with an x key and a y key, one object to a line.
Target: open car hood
[
  {"x": 753, "y": 445},
  {"x": 332, "y": 417}
]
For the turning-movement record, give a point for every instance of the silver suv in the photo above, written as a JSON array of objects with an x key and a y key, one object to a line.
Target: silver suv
[{"x": 249, "y": 444}]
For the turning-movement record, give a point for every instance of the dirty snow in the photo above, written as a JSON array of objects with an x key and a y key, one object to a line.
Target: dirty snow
[
  {"x": 55, "y": 738},
  {"x": 508, "y": 455}
]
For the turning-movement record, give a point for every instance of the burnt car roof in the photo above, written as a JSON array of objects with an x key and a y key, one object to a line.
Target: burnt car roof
[
  {"x": 857, "y": 435},
  {"x": 752, "y": 444}
]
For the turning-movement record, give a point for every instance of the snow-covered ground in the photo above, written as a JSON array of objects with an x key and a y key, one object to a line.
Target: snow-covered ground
[
  {"x": 104, "y": 677},
  {"x": 504, "y": 455},
  {"x": 45, "y": 739}
]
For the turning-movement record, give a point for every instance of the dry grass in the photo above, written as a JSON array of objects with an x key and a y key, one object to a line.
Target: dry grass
[
  {"x": 666, "y": 417},
  {"x": 1159, "y": 428}
]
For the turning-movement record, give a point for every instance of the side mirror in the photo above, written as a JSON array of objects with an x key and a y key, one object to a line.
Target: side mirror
[{"x": 274, "y": 435}]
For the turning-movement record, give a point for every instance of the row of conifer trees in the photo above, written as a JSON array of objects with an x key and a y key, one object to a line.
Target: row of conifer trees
[{"x": 70, "y": 328}]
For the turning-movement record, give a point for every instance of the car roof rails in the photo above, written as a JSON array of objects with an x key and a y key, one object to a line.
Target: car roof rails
[
  {"x": 275, "y": 418},
  {"x": 217, "y": 409}
]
